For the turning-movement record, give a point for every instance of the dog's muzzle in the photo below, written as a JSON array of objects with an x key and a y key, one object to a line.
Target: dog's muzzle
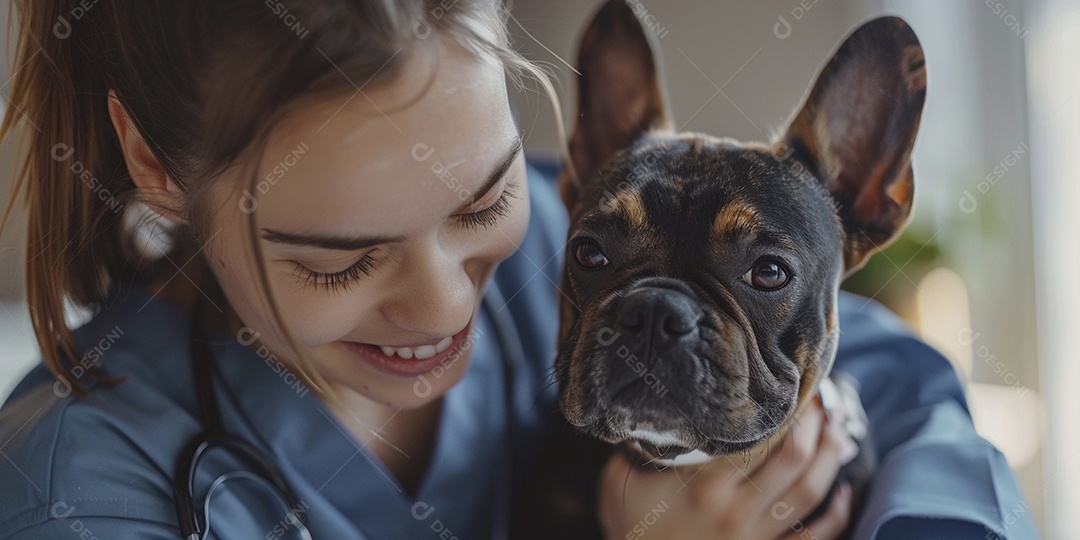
[{"x": 656, "y": 325}]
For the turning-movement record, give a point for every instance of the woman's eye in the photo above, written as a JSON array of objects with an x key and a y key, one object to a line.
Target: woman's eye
[
  {"x": 589, "y": 255},
  {"x": 490, "y": 215},
  {"x": 767, "y": 275},
  {"x": 336, "y": 280}
]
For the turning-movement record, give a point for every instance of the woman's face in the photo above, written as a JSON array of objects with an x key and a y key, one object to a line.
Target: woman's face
[{"x": 381, "y": 217}]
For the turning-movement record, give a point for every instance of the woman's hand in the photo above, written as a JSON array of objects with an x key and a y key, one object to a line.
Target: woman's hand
[{"x": 764, "y": 499}]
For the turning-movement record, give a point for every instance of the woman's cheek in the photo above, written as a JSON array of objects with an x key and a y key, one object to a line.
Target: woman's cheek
[{"x": 320, "y": 316}]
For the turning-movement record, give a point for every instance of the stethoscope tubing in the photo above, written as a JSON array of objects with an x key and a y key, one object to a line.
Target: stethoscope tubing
[{"x": 214, "y": 436}]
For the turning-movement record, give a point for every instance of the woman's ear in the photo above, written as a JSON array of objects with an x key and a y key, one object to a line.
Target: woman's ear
[{"x": 156, "y": 188}]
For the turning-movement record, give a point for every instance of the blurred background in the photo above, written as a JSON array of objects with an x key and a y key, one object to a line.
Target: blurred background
[{"x": 984, "y": 272}]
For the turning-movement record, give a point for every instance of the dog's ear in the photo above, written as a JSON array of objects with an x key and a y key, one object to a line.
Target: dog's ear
[
  {"x": 619, "y": 93},
  {"x": 856, "y": 131}
]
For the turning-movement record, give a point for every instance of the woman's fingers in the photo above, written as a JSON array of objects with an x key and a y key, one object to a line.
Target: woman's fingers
[
  {"x": 805, "y": 470},
  {"x": 809, "y": 488},
  {"x": 763, "y": 500},
  {"x": 831, "y": 524},
  {"x": 629, "y": 495},
  {"x": 793, "y": 455}
]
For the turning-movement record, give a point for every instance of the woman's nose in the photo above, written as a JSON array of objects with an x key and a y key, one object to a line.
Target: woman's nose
[{"x": 436, "y": 296}]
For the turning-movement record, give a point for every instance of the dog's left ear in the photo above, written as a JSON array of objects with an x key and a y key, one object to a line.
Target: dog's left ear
[
  {"x": 856, "y": 131},
  {"x": 620, "y": 94}
]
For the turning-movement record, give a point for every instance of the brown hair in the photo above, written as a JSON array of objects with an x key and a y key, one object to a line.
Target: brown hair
[{"x": 204, "y": 82}]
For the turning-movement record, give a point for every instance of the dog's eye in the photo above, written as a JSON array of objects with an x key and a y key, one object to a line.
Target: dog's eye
[
  {"x": 767, "y": 275},
  {"x": 589, "y": 255}
]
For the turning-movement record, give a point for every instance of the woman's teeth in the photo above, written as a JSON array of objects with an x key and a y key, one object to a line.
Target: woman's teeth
[{"x": 422, "y": 352}]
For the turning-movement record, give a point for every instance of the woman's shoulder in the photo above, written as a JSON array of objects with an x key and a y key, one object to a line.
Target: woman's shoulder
[
  {"x": 864, "y": 319},
  {"x": 70, "y": 458},
  {"x": 878, "y": 347}
]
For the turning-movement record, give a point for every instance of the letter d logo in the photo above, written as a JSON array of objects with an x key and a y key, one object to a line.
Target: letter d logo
[{"x": 782, "y": 28}]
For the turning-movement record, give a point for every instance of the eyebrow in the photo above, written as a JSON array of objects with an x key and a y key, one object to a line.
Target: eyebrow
[
  {"x": 775, "y": 238},
  {"x": 496, "y": 175},
  {"x": 345, "y": 243}
]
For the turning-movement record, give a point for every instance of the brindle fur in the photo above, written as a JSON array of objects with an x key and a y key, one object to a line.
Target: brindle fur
[{"x": 687, "y": 214}]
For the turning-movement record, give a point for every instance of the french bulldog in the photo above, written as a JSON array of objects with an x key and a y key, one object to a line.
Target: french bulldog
[{"x": 701, "y": 277}]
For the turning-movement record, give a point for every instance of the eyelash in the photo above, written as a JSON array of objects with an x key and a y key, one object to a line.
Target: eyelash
[
  {"x": 341, "y": 280},
  {"x": 335, "y": 280},
  {"x": 490, "y": 215}
]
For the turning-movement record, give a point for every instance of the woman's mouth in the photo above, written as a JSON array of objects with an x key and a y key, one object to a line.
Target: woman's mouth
[
  {"x": 422, "y": 352},
  {"x": 413, "y": 361}
]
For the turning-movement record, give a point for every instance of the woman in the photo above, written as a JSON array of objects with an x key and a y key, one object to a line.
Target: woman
[{"x": 338, "y": 181}]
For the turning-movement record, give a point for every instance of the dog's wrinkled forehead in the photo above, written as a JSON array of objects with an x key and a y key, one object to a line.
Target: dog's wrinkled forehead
[{"x": 692, "y": 185}]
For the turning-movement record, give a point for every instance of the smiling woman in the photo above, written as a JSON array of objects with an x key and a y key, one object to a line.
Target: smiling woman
[
  {"x": 276, "y": 143},
  {"x": 371, "y": 273}
]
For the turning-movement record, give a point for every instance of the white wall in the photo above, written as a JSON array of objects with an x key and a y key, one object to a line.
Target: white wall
[{"x": 1054, "y": 105}]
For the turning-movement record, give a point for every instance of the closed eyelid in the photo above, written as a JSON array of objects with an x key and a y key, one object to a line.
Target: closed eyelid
[
  {"x": 488, "y": 216},
  {"x": 341, "y": 243},
  {"x": 496, "y": 176},
  {"x": 495, "y": 198}
]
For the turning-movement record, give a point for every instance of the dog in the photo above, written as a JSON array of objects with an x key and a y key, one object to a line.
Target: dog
[{"x": 701, "y": 276}]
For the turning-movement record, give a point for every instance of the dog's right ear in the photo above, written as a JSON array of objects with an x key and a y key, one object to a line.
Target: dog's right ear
[
  {"x": 857, "y": 129},
  {"x": 619, "y": 94}
]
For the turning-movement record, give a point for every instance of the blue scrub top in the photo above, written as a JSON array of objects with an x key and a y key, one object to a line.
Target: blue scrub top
[{"x": 102, "y": 466}]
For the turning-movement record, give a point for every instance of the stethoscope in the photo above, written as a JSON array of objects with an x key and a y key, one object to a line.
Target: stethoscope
[{"x": 263, "y": 469}]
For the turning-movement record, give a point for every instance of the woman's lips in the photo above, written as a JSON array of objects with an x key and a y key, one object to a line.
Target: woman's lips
[
  {"x": 395, "y": 365},
  {"x": 422, "y": 352}
]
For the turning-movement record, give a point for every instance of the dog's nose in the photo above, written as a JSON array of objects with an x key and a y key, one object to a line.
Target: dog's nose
[{"x": 657, "y": 314}]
